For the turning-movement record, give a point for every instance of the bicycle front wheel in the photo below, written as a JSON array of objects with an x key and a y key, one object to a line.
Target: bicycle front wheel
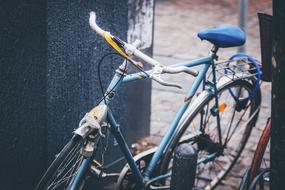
[
  {"x": 238, "y": 114},
  {"x": 60, "y": 173}
]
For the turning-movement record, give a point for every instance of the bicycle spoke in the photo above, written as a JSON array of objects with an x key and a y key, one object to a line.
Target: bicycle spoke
[
  {"x": 75, "y": 168},
  {"x": 69, "y": 156},
  {"x": 65, "y": 171},
  {"x": 236, "y": 125},
  {"x": 232, "y": 118},
  {"x": 65, "y": 177}
]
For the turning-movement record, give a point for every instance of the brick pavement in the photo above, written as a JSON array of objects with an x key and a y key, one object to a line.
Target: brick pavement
[{"x": 176, "y": 26}]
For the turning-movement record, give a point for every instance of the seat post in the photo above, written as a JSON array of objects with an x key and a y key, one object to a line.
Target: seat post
[{"x": 214, "y": 50}]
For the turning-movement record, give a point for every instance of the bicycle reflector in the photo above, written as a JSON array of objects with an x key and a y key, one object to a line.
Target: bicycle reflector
[{"x": 222, "y": 107}]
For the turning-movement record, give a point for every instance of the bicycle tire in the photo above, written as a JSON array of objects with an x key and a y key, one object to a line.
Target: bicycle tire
[
  {"x": 255, "y": 102},
  {"x": 259, "y": 152},
  {"x": 69, "y": 149}
]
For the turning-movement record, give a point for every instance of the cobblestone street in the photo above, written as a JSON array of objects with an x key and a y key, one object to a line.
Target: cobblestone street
[{"x": 175, "y": 40}]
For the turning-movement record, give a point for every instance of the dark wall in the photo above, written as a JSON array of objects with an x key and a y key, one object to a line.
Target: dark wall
[
  {"x": 49, "y": 80},
  {"x": 73, "y": 54},
  {"x": 22, "y": 92}
]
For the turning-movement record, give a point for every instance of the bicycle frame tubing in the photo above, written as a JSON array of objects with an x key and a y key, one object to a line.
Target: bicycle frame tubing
[
  {"x": 206, "y": 62},
  {"x": 118, "y": 80}
]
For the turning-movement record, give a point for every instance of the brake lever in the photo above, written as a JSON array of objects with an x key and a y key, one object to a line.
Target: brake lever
[{"x": 158, "y": 79}]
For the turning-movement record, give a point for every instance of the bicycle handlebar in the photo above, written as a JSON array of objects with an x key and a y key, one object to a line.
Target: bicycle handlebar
[
  {"x": 180, "y": 69},
  {"x": 93, "y": 24},
  {"x": 127, "y": 50}
]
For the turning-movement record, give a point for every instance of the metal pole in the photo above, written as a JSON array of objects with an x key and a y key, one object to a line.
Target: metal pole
[
  {"x": 184, "y": 167},
  {"x": 242, "y": 18}
]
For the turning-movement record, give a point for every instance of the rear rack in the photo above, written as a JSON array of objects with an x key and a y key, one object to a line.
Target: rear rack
[{"x": 238, "y": 68}]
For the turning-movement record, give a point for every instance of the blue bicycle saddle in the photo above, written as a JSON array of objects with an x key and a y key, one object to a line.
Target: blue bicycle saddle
[{"x": 223, "y": 36}]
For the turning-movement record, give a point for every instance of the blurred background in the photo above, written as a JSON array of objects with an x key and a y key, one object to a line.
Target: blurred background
[{"x": 176, "y": 25}]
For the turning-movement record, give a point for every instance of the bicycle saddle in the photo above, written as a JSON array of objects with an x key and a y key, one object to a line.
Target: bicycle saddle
[{"x": 223, "y": 36}]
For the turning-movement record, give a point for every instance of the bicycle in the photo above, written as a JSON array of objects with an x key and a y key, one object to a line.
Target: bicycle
[
  {"x": 210, "y": 115},
  {"x": 257, "y": 176}
]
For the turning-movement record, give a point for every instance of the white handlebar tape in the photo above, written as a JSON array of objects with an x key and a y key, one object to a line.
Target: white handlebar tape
[{"x": 94, "y": 26}]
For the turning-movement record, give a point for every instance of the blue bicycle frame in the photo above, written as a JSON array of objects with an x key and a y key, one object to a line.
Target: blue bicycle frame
[{"x": 117, "y": 81}]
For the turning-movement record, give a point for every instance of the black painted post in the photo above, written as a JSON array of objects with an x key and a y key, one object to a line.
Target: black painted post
[
  {"x": 277, "y": 162},
  {"x": 49, "y": 78},
  {"x": 184, "y": 167}
]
